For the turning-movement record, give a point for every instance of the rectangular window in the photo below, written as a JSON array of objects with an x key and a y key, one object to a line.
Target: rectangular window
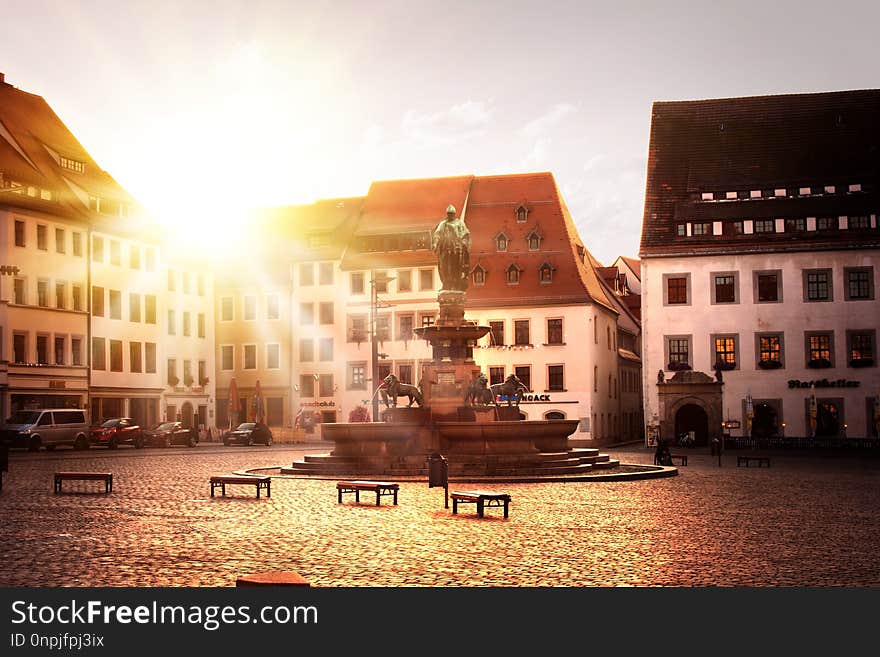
[
  {"x": 555, "y": 378},
  {"x": 325, "y": 273},
  {"x": 115, "y": 304},
  {"x": 250, "y": 356},
  {"x": 859, "y": 222},
  {"x": 76, "y": 357},
  {"x": 19, "y": 347},
  {"x": 325, "y": 312},
  {"x": 521, "y": 332},
  {"x": 172, "y": 323},
  {"x": 306, "y": 350},
  {"x": 426, "y": 279},
  {"x": 676, "y": 289},
  {"x": 19, "y": 233},
  {"x": 765, "y": 225},
  {"x": 134, "y": 357},
  {"x": 201, "y": 325},
  {"x": 250, "y": 307},
  {"x": 187, "y": 373},
  {"x": 496, "y": 333},
  {"x": 820, "y": 349},
  {"x": 860, "y": 348},
  {"x": 226, "y": 309},
  {"x": 43, "y": 349},
  {"x": 724, "y": 288},
  {"x": 357, "y": 376},
  {"x": 325, "y": 385},
  {"x": 115, "y": 355},
  {"x": 98, "y": 249},
  {"x": 817, "y": 285},
  {"x": 405, "y": 327},
  {"x": 325, "y": 349},
  {"x": 150, "y": 308},
  {"x": 554, "y": 331},
  {"x": 307, "y": 273},
  {"x": 76, "y": 294},
  {"x": 306, "y": 314},
  {"x": 59, "y": 350},
  {"x": 404, "y": 280},
  {"x": 859, "y": 283},
  {"x": 827, "y": 223},
  {"x": 701, "y": 228},
  {"x": 172, "y": 280},
  {"x": 135, "y": 257},
  {"x": 150, "y": 260},
  {"x": 524, "y": 374},
  {"x": 42, "y": 237},
  {"x": 768, "y": 286},
  {"x": 427, "y": 319},
  {"x": 383, "y": 328},
  {"x": 795, "y": 225},
  {"x": 496, "y": 375},
  {"x": 226, "y": 357},
  {"x": 186, "y": 323},
  {"x": 273, "y": 356},
  {"x": 43, "y": 293},
  {"x": 306, "y": 386},
  {"x": 357, "y": 282},
  {"x": 725, "y": 352},
  {"x": 60, "y": 295},
  {"x": 681, "y": 230},
  {"x": 770, "y": 351},
  {"x": 357, "y": 328},
  {"x": 77, "y": 245},
  {"x": 405, "y": 373},
  {"x": 272, "y": 309},
  {"x": 134, "y": 307},
  {"x": 20, "y": 291},
  {"x": 99, "y": 354},
  {"x": 60, "y": 241},
  {"x": 678, "y": 350},
  {"x": 150, "y": 357},
  {"x": 172, "y": 372},
  {"x": 203, "y": 373},
  {"x": 115, "y": 252},
  {"x": 380, "y": 282},
  {"x": 184, "y": 276}
]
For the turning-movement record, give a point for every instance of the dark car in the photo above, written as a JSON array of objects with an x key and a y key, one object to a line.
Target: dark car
[
  {"x": 248, "y": 433},
  {"x": 172, "y": 433},
  {"x": 117, "y": 431}
]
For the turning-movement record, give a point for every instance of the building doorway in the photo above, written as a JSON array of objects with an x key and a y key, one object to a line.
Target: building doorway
[
  {"x": 827, "y": 418},
  {"x": 692, "y": 420},
  {"x": 186, "y": 414},
  {"x": 765, "y": 422}
]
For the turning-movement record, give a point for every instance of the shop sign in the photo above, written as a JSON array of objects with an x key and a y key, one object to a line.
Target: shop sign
[
  {"x": 528, "y": 398},
  {"x": 323, "y": 403},
  {"x": 824, "y": 383}
]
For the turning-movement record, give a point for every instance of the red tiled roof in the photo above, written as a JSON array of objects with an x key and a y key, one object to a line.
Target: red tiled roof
[
  {"x": 761, "y": 143},
  {"x": 634, "y": 264},
  {"x": 420, "y": 203}
]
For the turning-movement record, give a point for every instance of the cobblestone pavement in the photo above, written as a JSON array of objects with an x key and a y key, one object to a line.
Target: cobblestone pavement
[{"x": 807, "y": 521}]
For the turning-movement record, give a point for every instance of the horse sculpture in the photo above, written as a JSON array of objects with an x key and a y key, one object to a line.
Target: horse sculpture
[
  {"x": 478, "y": 393},
  {"x": 393, "y": 388},
  {"x": 512, "y": 389}
]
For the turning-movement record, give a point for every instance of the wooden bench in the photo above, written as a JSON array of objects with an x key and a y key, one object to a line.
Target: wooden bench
[
  {"x": 746, "y": 460},
  {"x": 683, "y": 458},
  {"x": 106, "y": 477},
  {"x": 220, "y": 481},
  {"x": 379, "y": 487},
  {"x": 482, "y": 498}
]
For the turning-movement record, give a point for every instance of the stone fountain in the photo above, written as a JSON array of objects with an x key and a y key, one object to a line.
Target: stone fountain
[{"x": 478, "y": 439}]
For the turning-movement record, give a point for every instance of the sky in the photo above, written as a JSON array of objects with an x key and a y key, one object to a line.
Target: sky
[{"x": 202, "y": 109}]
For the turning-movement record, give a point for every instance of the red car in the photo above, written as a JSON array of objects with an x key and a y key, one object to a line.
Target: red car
[
  {"x": 117, "y": 431},
  {"x": 173, "y": 433}
]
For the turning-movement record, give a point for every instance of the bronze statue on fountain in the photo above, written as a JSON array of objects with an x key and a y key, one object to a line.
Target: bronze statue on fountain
[{"x": 393, "y": 388}]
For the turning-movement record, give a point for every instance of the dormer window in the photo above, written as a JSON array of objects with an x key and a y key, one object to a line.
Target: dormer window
[
  {"x": 72, "y": 165},
  {"x": 546, "y": 273},
  {"x": 522, "y": 214},
  {"x": 501, "y": 242},
  {"x": 513, "y": 273},
  {"x": 479, "y": 275},
  {"x": 534, "y": 240}
]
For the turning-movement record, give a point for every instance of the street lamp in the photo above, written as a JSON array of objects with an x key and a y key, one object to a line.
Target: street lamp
[{"x": 375, "y": 280}]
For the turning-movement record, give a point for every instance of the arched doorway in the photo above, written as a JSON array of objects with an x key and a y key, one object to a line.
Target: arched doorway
[
  {"x": 186, "y": 414},
  {"x": 827, "y": 418},
  {"x": 765, "y": 422},
  {"x": 691, "y": 417}
]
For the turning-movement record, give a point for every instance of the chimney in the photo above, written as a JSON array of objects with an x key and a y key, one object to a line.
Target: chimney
[{"x": 2, "y": 78}]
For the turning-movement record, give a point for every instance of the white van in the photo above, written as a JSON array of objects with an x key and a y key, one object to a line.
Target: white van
[{"x": 48, "y": 427}]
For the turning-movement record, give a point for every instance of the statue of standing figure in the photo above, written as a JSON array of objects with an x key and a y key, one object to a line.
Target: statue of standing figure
[{"x": 451, "y": 241}]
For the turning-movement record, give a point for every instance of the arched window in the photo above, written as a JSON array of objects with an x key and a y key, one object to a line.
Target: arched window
[
  {"x": 522, "y": 214},
  {"x": 534, "y": 240},
  {"x": 554, "y": 415},
  {"x": 501, "y": 242},
  {"x": 479, "y": 275},
  {"x": 513, "y": 275},
  {"x": 546, "y": 273}
]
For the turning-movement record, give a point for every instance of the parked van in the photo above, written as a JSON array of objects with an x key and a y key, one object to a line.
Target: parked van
[{"x": 47, "y": 427}]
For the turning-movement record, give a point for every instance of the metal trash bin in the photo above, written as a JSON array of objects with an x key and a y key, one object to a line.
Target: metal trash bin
[{"x": 438, "y": 470}]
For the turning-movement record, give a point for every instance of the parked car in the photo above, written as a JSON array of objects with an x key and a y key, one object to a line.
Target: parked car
[
  {"x": 46, "y": 427},
  {"x": 172, "y": 433},
  {"x": 248, "y": 433},
  {"x": 117, "y": 431}
]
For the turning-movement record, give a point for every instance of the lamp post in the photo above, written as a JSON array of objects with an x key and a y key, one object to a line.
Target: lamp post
[{"x": 375, "y": 280}]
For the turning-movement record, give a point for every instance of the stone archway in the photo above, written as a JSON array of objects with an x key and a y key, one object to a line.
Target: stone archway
[
  {"x": 186, "y": 414},
  {"x": 692, "y": 418}
]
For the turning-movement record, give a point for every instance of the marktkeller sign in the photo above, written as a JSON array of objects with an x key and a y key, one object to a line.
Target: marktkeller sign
[
  {"x": 824, "y": 383},
  {"x": 528, "y": 398}
]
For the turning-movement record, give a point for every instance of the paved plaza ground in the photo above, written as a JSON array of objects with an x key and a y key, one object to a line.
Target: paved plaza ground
[{"x": 809, "y": 520}]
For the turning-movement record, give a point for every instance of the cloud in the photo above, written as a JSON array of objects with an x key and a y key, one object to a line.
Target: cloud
[
  {"x": 454, "y": 125},
  {"x": 541, "y": 125}
]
